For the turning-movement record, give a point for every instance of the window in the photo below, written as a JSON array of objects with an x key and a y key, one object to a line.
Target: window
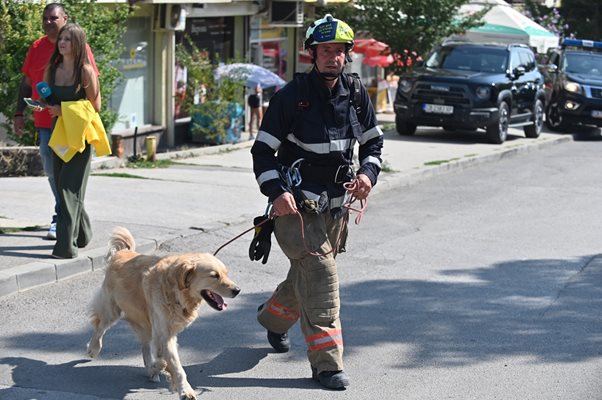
[
  {"x": 515, "y": 60},
  {"x": 132, "y": 98},
  {"x": 527, "y": 60}
]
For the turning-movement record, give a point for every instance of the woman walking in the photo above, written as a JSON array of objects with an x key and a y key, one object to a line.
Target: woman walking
[{"x": 72, "y": 79}]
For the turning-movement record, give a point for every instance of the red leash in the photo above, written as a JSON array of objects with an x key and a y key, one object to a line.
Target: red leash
[
  {"x": 238, "y": 236},
  {"x": 350, "y": 186}
]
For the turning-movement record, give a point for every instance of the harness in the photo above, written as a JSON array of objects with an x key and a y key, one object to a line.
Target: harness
[{"x": 314, "y": 171}]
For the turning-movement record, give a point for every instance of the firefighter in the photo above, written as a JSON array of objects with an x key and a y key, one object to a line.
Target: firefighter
[{"x": 303, "y": 163}]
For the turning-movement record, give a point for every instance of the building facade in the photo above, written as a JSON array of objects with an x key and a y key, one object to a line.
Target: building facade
[{"x": 268, "y": 33}]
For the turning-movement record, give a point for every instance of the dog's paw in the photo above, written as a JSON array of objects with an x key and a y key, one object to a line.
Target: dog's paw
[
  {"x": 188, "y": 395},
  {"x": 93, "y": 350},
  {"x": 186, "y": 392},
  {"x": 155, "y": 371}
]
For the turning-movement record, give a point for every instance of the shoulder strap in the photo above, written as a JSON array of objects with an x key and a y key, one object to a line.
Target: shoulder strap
[
  {"x": 355, "y": 87},
  {"x": 301, "y": 79}
]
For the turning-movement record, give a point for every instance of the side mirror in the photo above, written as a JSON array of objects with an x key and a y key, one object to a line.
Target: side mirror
[
  {"x": 519, "y": 71},
  {"x": 552, "y": 68}
]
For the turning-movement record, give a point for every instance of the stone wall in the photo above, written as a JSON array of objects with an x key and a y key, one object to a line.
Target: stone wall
[{"x": 20, "y": 161}]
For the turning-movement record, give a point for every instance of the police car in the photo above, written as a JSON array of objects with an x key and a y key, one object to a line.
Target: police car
[{"x": 573, "y": 84}]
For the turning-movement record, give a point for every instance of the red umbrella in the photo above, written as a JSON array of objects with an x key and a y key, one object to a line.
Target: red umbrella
[
  {"x": 370, "y": 47},
  {"x": 379, "y": 61}
]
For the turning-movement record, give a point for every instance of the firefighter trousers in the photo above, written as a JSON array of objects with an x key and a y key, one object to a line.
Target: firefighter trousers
[{"x": 310, "y": 292}]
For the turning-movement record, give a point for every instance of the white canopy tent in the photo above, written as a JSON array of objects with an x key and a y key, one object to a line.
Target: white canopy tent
[{"x": 504, "y": 24}]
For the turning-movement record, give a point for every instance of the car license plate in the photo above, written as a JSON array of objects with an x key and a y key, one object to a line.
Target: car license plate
[
  {"x": 597, "y": 114},
  {"x": 437, "y": 109}
]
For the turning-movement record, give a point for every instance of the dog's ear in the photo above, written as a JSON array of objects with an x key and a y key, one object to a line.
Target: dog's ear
[{"x": 184, "y": 273}]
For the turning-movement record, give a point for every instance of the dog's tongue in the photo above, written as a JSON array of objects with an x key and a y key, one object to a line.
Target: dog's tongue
[
  {"x": 215, "y": 300},
  {"x": 219, "y": 302}
]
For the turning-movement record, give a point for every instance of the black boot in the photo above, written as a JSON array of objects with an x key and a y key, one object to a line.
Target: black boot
[
  {"x": 279, "y": 341},
  {"x": 335, "y": 380}
]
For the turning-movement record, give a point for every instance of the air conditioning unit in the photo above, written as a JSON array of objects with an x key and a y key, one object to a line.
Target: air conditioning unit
[
  {"x": 286, "y": 13},
  {"x": 170, "y": 17}
]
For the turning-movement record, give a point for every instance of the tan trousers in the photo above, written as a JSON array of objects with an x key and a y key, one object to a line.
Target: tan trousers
[{"x": 310, "y": 292}]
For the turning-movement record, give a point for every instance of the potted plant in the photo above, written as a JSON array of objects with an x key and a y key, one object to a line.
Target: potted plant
[{"x": 214, "y": 106}]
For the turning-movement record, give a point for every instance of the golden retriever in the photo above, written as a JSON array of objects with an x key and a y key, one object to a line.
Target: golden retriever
[{"x": 158, "y": 297}]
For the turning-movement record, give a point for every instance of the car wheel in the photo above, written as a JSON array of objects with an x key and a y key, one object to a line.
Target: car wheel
[
  {"x": 554, "y": 120},
  {"x": 404, "y": 127},
  {"x": 497, "y": 132},
  {"x": 533, "y": 131}
]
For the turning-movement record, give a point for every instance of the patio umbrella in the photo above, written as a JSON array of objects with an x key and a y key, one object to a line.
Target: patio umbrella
[
  {"x": 369, "y": 47},
  {"x": 378, "y": 61},
  {"x": 250, "y": 74},
  {"x": 504, "y": 24}
]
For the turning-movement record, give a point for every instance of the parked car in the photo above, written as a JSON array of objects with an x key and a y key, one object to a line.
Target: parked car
[
  {"x": 469, "y": 86},
  {"x": 574, "y": 84}
]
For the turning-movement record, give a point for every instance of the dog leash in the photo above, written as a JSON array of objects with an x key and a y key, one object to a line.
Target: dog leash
[
  {"x": 350, "y": 186},
  {"x": 241, "y": 234}
]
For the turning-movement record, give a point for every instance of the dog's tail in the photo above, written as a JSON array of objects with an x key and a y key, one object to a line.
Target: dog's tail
[{"x": 121, "y": 239}]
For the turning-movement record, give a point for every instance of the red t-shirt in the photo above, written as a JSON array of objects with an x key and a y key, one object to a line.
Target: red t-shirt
[{"x": 35, "y": 63}]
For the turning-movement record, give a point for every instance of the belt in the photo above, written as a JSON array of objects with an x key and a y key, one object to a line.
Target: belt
[{"x": 326, "y": 173}]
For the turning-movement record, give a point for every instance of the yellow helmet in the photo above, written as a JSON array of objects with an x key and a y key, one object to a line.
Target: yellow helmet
[{"x": 329, "y": 30}]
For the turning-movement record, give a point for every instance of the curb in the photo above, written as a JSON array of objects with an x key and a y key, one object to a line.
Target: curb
[
  {"x": 43, "y": 272},
  {"x": 404, "y": 179}
]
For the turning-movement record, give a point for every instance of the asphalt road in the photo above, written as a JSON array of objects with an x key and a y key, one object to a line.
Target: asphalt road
[{"x": 479, "y": 284}]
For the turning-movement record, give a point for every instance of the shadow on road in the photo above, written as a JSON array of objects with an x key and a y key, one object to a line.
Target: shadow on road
[
  {"x": 531, "y": 308},
  {"x": 84, "y": 377},
  {"x": 539, "y": 309}
]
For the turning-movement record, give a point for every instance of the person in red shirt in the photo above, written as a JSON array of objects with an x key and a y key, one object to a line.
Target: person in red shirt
[{"x": 54, "y": 18}]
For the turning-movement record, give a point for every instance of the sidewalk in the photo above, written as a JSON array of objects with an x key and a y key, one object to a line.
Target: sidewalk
[{"x": 210, "y": 188}]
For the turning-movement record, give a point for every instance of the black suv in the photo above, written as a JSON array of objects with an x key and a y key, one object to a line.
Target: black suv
[
  {"x": 468, "y": 86},
  {"x": 574, "y": 84}
]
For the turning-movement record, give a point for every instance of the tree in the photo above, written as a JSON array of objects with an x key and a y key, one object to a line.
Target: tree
[
  {"x": 548, "y": 17},
  {"x": 410, "y": 27},
  {"x": 585, "y": 16},
  {"x": 20, "y": 25}
]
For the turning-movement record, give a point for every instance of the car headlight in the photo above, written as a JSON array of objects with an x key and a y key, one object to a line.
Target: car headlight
[
  {"x": 483, "y": 92},
  {"x": 405, "y": 85},
  {"x": 572, "y": 87}
]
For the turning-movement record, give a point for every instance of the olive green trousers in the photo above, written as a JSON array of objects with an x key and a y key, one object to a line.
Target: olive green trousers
[{"x": 73, "y": 229}]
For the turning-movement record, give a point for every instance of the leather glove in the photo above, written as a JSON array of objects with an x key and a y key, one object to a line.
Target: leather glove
[{"x": 262, "y": 241}]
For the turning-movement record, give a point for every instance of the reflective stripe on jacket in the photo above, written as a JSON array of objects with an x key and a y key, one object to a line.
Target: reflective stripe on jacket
[{"x": 330, "y": 131}]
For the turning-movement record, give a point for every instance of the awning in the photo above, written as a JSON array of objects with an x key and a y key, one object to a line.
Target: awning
[{"x": 504, "y": 24}]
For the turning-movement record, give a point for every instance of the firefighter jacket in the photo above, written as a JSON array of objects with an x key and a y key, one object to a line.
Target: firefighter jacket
[{"x": 320, "y": 126}]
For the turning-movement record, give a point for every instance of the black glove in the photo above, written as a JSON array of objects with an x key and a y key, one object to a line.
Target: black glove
[{"x": 262, "y": 241}]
